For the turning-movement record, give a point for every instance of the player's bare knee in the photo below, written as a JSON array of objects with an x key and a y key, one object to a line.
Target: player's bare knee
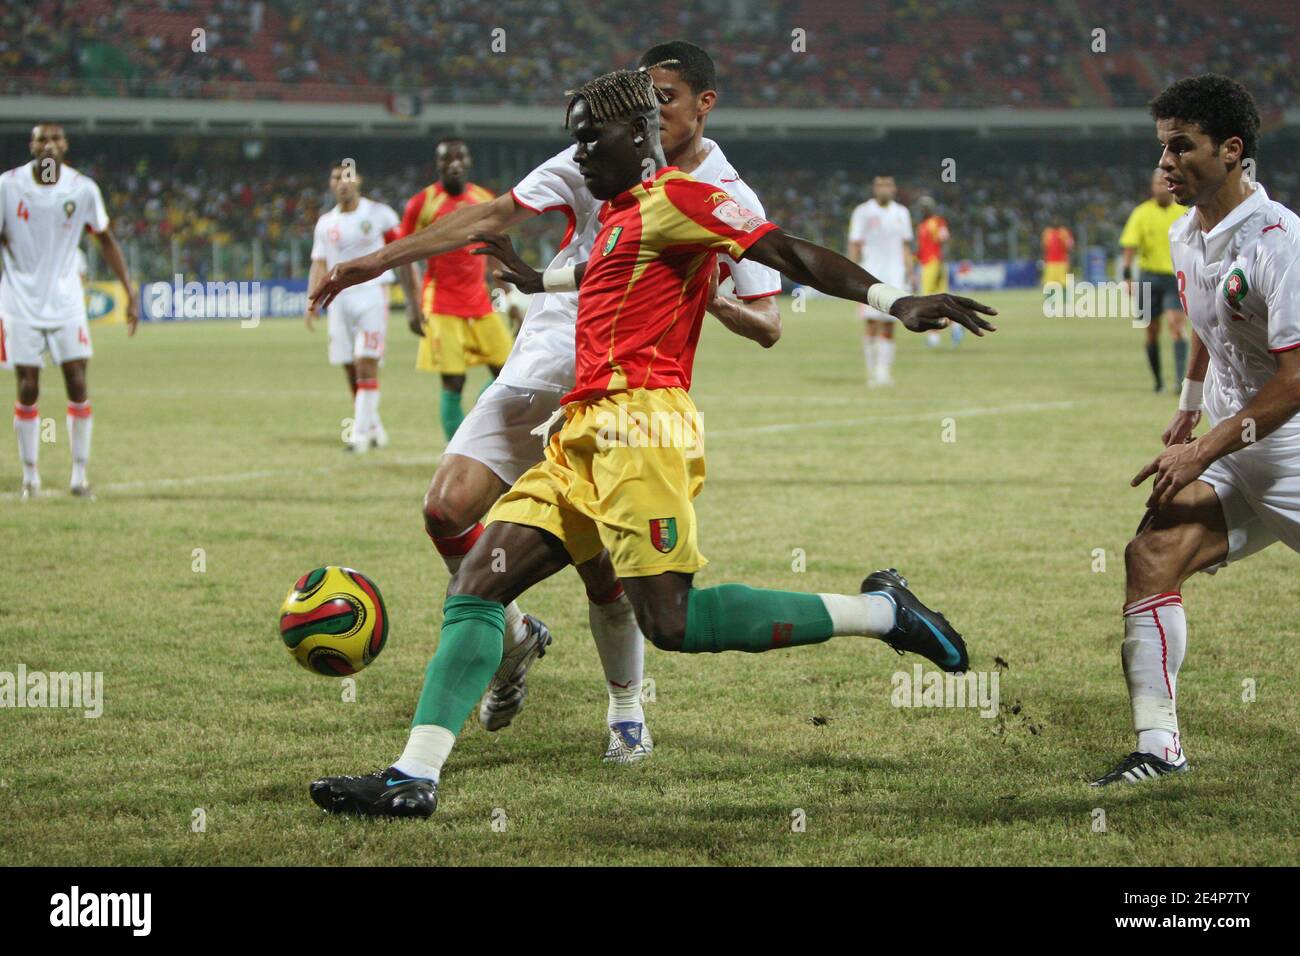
[
  {"x": 664, "y": 628},
  {"x": 29, "y": 386}
]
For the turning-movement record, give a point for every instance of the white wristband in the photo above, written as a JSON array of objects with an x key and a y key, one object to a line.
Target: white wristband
[
  {"x": 1190, "y": 400},
  {"x": 559, "y": 280},
  {"x": 881, "y": 296}
]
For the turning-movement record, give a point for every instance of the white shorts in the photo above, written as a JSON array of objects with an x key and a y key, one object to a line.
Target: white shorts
[
  {"x": 1259, "y": 492},
  {"x": 358, "y": 323},
  {"x": 498, "y": 429},
  {"x": 21, "y": 344}
]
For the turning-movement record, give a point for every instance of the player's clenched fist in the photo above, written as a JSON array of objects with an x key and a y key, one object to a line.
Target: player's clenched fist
[{"x": 921, "y": 313}]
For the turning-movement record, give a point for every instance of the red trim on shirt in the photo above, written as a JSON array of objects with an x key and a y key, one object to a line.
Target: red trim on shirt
[
  {"x": 1285, "y": 348},
  {"x": 760, "y": 295},
  {"x": 562, "y": 206}
]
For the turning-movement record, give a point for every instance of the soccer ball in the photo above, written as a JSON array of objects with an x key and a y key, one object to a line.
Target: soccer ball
[{"x": 333, "y": 621}]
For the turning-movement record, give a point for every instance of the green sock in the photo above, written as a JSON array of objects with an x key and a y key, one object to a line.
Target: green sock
[
  {"x": 1180, "y": 360},
  {"x": 451, "y": 412},
  {"x": 468, "y": 654},
  {"x": 735, "y": 617}
]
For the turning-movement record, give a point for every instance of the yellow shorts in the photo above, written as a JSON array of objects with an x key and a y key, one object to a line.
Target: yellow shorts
[
  {"x": 451, "y": 343},
  {"x": 619, "y": 475},
  {"x": 934, "y": 277},
  {"x": 1054, "y": 272}
]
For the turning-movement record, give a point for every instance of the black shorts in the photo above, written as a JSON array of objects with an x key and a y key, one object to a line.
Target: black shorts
[{"x": 1163, "y": 293}]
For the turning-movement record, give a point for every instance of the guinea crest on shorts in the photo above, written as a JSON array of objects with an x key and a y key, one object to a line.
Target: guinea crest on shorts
[{"x": 663, "y": 534}]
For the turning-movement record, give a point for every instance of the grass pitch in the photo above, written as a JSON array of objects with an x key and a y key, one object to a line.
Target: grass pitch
[{"x": 225, "y": 439}]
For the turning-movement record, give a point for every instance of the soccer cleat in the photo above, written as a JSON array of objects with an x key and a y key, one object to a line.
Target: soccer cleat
[
  {"x": 917, "y": 628},
  {"x": 82, "y": 491},
  {"x": 384, "y": 793},
  {"x": 505, "y": 695},
  {"x": 629, "y": 742},
  {"x": 1137, "y": 767},
  {"x": 31, "y": 489},
  {"x": 378, "y": 437}
]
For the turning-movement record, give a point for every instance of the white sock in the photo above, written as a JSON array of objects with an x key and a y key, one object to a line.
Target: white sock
[
  {"x": 361, "y": 411},
  {"x": 372, "y": 409},
  {"x": 516, "y": 626},
  {"x": 1155, "y": 642},
  {"x": 884, "y": 356},
  {"x": 27, "y": 426},
  {"x": 621, "y": 647},
  {"x": 871, "y": 615},
  {"x": 869, "y": 353},
  {"x": 932, "y": 338},
  {"x": 80, "y": 425},
  {"x": 426, "y": 751}
]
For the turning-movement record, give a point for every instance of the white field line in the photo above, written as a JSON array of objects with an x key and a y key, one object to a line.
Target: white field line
[{"x": 266, "y": 474}]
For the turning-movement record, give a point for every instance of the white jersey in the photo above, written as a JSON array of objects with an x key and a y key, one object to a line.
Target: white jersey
[
  {"x": 341, "y": 236},
  {"x": 1241, "y": 288},
  {"x": 41, "y": 227},
  {"x": 543, "y": 356},
  {"x": 882, "y": 230}
]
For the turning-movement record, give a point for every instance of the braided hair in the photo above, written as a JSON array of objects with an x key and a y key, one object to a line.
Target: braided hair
[{"x": 619, "y": 95}]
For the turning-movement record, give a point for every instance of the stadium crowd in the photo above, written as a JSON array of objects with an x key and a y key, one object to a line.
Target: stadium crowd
[
  {"x": 802, "y": 54},
  {"x": 995, "y": 211}
]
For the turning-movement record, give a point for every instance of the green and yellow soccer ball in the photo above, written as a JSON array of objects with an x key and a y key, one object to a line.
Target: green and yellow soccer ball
[{"x": 333, "y": 621}]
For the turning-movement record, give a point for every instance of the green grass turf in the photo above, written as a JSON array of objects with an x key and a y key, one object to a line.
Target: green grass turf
[{"x": 215, "y": 437}]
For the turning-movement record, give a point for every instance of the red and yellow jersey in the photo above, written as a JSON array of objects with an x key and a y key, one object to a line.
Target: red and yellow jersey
[
  {"x": 645, "y": 288},
  {"x": 1057, "y": 244},
  {"x": 931, "y": 234},
  {"x": 459, "y": 278}
]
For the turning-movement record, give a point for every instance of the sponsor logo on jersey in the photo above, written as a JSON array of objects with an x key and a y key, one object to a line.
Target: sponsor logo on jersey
[
  {"x": 365, "y": 227},
  {"x": 737, "y": 216},
  {"x": 1235, "y": 287},
  {"x": 612, "y": 241},
  {"x": 69, "y": 208},
  {"x": 663, "y": 534}
]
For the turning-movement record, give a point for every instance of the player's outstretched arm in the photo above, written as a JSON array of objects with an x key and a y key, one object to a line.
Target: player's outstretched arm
[
  {"x": 449, "y": 233},
  {"x": 831, "y": 273},
  {"x": 108, "y": 245}
]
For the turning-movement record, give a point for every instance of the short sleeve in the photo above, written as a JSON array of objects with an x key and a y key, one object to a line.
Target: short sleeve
[
  {"x": 1131, "y": 237},
  {"x": 318, "y": 240},
  {"x": 552, "y": 185},
  {"x": 1277, "y": 277},
  {"x": 97, "y": 216},
  {"x": 753, "y": 280},
  {"x": 707, "y": 217},
  {"x": 908, "y": 235}
]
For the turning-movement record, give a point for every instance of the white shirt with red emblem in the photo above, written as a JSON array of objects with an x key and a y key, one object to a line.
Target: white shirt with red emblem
[
  {"x": 882, "y": 230},
  {"x": 41, "y": 227},
  {"x": 1240, "y": 286},
  {"x": 341, "y": 236}
]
